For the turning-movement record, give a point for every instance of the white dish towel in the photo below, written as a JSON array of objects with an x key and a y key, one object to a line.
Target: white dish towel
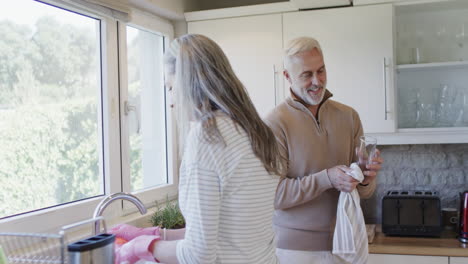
[{"x": 350, "y": 237}]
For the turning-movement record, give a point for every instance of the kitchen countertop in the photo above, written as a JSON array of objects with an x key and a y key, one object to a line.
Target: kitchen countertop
[{"x": 446, "y": 245}]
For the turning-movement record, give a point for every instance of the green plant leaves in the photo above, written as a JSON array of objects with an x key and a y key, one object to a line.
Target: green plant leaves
[{"x": 169, "y": 217}]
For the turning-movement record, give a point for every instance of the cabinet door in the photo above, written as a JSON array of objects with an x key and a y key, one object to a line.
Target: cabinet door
[
  {"x": 406, "y": 259},
  {"x": 358, "y": 52},
  {"x": 253, "y": 45},
  {"x": 371, "y": 2},
  {"x": 458, "y": 260}
]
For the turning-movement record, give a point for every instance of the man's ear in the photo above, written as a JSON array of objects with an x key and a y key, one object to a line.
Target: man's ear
[{"x": 286, "y": 75}]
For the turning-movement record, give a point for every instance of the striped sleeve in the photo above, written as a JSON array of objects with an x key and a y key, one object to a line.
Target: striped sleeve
[{"x": 201, "y": 200}]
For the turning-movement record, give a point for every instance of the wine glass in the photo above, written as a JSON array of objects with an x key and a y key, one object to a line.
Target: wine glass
[
  {"x": 366, "y": 151},
  {"x": 426, "y": 108}
]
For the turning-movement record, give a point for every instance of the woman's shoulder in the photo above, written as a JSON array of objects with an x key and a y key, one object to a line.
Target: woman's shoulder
[{"x": 229, "y": 129}]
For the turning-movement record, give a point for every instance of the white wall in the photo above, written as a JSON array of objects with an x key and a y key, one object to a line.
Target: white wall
[
  {"x": 180, "y": 28},
  {"x": 169, "y": 9}
]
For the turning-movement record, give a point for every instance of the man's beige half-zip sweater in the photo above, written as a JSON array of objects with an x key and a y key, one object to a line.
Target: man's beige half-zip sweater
[{"x": 306, "y": 200}]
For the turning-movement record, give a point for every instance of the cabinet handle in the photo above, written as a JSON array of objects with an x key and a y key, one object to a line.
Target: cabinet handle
[
  {"x": 274, "y": 84},
  {"x": 385, "y": 85}
]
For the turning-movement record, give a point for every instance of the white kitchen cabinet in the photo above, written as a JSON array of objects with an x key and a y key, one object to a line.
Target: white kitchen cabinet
[
  {"x": 253, "y": 45},
  {"x": 304, "y": 4},
  {"x": 458, "y": 260},
  {"x": 369, "y": 63},
  {"x": 357, "y": 43},
  {"x": 406, "y": 259},
  {"x": 371, "y": 2}
]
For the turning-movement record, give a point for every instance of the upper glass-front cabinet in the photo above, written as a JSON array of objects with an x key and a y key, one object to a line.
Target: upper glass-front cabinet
[{"x": 432, "y": 72}]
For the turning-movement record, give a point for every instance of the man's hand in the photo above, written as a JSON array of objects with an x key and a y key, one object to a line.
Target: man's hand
[
  {"x": 340, "y": 180},
  {"x": 372, "y": 169}
]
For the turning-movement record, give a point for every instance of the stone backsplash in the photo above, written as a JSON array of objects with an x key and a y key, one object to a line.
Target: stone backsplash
[{"x": 442, "y": 168}]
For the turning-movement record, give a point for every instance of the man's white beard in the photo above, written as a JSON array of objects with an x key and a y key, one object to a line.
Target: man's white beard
[{"x": 313, "y": 100}]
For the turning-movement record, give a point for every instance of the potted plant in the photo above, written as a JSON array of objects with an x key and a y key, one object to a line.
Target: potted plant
[{"x": 169, "y": 217}]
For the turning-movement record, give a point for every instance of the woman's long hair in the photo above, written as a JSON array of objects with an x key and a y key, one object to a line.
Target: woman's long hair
[{"x": 205, "y": 82}]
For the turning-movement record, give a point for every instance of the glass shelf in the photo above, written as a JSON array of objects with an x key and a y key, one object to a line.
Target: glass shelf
[
  {"x": 433, "y": 129},
  {"x": 433, "y": 65},
  {"x": 432, "y": 96}
]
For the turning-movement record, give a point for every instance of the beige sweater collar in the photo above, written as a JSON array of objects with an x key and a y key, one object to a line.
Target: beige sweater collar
[{"x": 296, "y": 102}]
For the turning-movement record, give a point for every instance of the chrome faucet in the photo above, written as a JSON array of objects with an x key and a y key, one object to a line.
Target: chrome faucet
[{"x": 112, "y": 197}]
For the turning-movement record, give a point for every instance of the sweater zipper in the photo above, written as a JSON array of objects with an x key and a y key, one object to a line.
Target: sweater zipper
[{"x": 316, "y": 120}]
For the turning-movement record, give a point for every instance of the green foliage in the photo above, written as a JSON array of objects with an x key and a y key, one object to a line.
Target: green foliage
[
  {"x": 168, "y": 217},
  {"x": 54, "y": 62},
  {"x": 136, "y": 164},
  {"x": 16, "y": 52},
  {"x": 67, "y": 54},
  {"x": 50, "y": 155}
]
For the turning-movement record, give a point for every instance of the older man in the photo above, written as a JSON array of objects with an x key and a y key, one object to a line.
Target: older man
[{"x": 318, "y": 137}]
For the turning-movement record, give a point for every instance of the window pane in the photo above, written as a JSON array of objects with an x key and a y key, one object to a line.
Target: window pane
[
  {"x": 50, "y": 92},
  {"x": 147, "y": 122}
]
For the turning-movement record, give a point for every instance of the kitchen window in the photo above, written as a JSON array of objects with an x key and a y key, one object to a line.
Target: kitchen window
[
  {"x": 50, "y": 95},
  {"x": 82, "y": 112},
  {"x": 144, "y": 110}
]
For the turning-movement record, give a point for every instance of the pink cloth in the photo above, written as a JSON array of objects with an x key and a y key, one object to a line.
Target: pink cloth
[
  {"x": 135, "y": 250},
  {"x": 129, "y": 232},
  {"x": 137, "y": 247}
]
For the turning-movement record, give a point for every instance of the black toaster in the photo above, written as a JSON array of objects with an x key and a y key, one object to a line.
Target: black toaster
[{"x": 411, "y": 213}]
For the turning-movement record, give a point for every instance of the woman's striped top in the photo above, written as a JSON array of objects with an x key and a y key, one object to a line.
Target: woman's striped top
[{"x": 226, "y": 197}]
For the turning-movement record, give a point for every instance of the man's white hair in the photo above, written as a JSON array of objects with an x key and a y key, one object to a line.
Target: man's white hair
[{"x": 298, "y": 45}]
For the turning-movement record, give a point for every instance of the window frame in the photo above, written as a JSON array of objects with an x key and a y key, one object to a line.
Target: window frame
[
  {"x": 147, "y": 22},
  {"x": 53, "y": 218}
]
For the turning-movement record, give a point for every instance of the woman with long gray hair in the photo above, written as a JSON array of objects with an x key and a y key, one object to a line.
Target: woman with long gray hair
[{"x": 230, "y": 166}]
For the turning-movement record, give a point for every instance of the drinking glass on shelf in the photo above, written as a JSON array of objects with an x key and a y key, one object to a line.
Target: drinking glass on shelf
[
  {"x": 457, "y": 107},
  {"x": 416, "y": 55},
  {"x": 450, "y": 108},
  {"x": 425, "y": 115},
  {"x": 444, "y": 105},
  {"x": 366, "y": 151},
  {"x": 418, "y": 48},
  {"x": 426, "y": 110},
  {"x": 407, "y": 110},
  {"x": 465, "y": 108}
]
